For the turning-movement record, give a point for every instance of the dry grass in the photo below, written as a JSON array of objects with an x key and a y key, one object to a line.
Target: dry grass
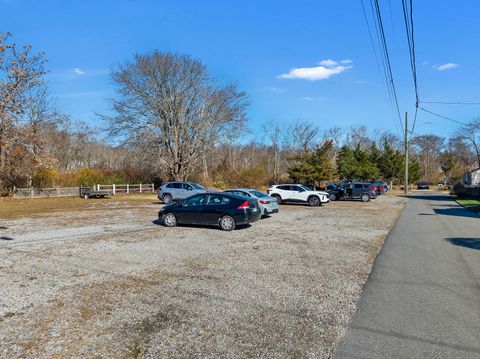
[{"x": 15, "y": 208}]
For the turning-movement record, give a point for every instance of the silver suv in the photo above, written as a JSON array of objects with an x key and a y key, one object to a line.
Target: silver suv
[{"x": 174, "y": 191}]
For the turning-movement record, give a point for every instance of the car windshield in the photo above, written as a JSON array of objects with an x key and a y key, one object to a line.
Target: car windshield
[
  {"x": 196, "y": 186},
  {"x": 306, "y": 188},
  {"x": 258, "y": 194}
]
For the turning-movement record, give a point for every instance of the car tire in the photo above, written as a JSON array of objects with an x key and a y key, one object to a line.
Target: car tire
[
  {"x": 227, "y": 223},
  {"x": 167, "y": 198},
  {"x": 365, "y": 197},
  {"x": 278, "y": 198},
  {"x": 169, "y": 220},
  {"x": 314, "y": 201},
  {"x": 333, "y": 197}
]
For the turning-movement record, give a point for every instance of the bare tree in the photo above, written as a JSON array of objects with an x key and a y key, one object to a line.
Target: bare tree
[
  {"x": 273, "y": 133},
  {"x": 471, "y": 134},
  {"x": 358, "y": 136},
  {"x": 170, "y": 103},
  {"x": 301, "y": 135},
  {"x": 427, "y": 150},
  {"x": 20, "y": 72}
]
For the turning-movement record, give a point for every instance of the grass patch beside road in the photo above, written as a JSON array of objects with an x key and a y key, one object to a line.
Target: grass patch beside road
[
  {"x": 472, "y": 204},
  {"x": 15, "y": 208}
]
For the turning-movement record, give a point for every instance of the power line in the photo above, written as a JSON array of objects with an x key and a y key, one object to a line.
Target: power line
[
  {"x": 445, "y": 117},
  {"x": 370, "y": 36},
  {"x": 386, "y": 58},
  {"x": 409, "y": 28}
]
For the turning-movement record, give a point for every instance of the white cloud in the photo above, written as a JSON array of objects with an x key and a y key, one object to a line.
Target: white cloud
[
  {"x": 78, "y": 71},
  {"x": 328, "y": 63},
  {"x": 447, "y": 66},
  {"x": 346, "y": 62},
  {"x": 277, "y": 89},
  {"x": 309, "y": 98},
  {"x": 326, "y": 69}
]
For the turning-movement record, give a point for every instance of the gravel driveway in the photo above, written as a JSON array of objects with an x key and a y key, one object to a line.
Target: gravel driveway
[{"x": 113, "y": 283}]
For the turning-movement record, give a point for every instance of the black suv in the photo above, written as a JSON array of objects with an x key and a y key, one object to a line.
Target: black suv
[{"x": 354, "y": 190}]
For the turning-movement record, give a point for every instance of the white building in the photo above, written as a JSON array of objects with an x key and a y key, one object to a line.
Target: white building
[{"x": 472, "y": 178}]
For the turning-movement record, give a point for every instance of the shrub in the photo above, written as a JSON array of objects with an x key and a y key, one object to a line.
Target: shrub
[{"x": 45, "y": 177}]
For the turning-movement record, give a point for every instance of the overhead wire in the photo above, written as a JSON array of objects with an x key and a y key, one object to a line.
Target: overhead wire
[
  {"x": 409, "y": 28},
  {"x": 386, "y": 58},
  {"x": 444, "y": 117}
]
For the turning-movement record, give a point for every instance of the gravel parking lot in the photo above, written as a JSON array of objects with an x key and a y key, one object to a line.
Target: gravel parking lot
[{"x": 111, "y": 282}]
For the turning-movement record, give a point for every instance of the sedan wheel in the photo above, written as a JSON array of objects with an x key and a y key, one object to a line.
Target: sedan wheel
[
  {"x": 365, "y": 197},
  {"x": 167, "y": 199},
  {"x": 314, "y": 201},
  {"x": 169, "y": 220},
  {"x": 227, "y": 223}
]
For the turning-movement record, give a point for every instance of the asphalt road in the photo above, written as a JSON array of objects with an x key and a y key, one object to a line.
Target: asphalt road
[{"x": 422, "y": 299}]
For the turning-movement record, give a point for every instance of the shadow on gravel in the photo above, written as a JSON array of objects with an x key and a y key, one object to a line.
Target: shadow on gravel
[
  {"x": 6, "y": 238},
  {"x": 1, "y": 227},
  {"x": 473, "y": 243},
  {"x": 159, "y": 223},
  {"x": 456, "y": 211}
]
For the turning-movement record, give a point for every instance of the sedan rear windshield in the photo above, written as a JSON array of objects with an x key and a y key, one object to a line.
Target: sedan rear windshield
[
  {"x": 258, "y": 194},
  {"x": 196, "y": 186}
]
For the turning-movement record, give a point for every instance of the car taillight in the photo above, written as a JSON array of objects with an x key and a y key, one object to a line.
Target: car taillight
[
  {"x": 244, "y": 205},
  {"x": 374, "y": 188},
  {"x": 264, "y": 202},
  {"x": 380, "y": 188}
]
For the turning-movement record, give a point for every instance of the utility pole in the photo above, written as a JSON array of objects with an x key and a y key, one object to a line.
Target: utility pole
[{"x": 405, "y": 183}]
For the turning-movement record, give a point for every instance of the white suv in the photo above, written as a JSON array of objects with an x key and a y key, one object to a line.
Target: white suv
[{"x": 297, "y": 193}]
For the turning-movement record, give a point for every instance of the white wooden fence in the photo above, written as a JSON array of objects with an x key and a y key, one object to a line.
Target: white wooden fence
[
  {"x": 74, "y": 191},
  {"x": 126, "y": 188}
]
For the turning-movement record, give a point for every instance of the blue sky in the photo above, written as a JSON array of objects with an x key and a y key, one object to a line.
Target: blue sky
[{"x": 297, "y": 60}]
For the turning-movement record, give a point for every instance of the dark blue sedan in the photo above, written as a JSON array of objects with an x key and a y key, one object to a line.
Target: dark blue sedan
[{"x": 212, "y": 209}]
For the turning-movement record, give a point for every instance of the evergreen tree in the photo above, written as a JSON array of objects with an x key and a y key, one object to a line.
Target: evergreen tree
[
  {"x": 365, "y": 169},
  {"x": 313, "y": 166},
  {"x": 391, "y": 163},
  {"x": 346, "y": 163}
]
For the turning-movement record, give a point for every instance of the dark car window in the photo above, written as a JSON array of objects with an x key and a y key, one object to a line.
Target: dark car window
[
  {"x": 367, "y": 185},
  {"x": 283, "y": 188},
  {"x": 241, "y": 193},
  {"x": 297, "y": 189},
  {"x": 170, "y": 185},
  {"x": 175, "y": 185},
  {"x": 214, "y": 200},
  {"x": 259, "y": 194},
  {"x": 197, "y": 186},
  {"x": 358, "y": 185},
  {"x": 187, "y": 186},
  {"x": 195, "y": 201}
]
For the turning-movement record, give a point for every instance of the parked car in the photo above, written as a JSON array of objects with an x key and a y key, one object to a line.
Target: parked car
[
  {"x": 354, "y": 190},
  {"x": 330, "y": 186},
  {"x": 423, "y": 185},
  {"x": 297, "y": 193},
  {"x": 268, "y": 205},
  {"x": 382, "y": 187},
  {"x": 174, "y": 191},
  {"x": 225, "y": 210}
]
